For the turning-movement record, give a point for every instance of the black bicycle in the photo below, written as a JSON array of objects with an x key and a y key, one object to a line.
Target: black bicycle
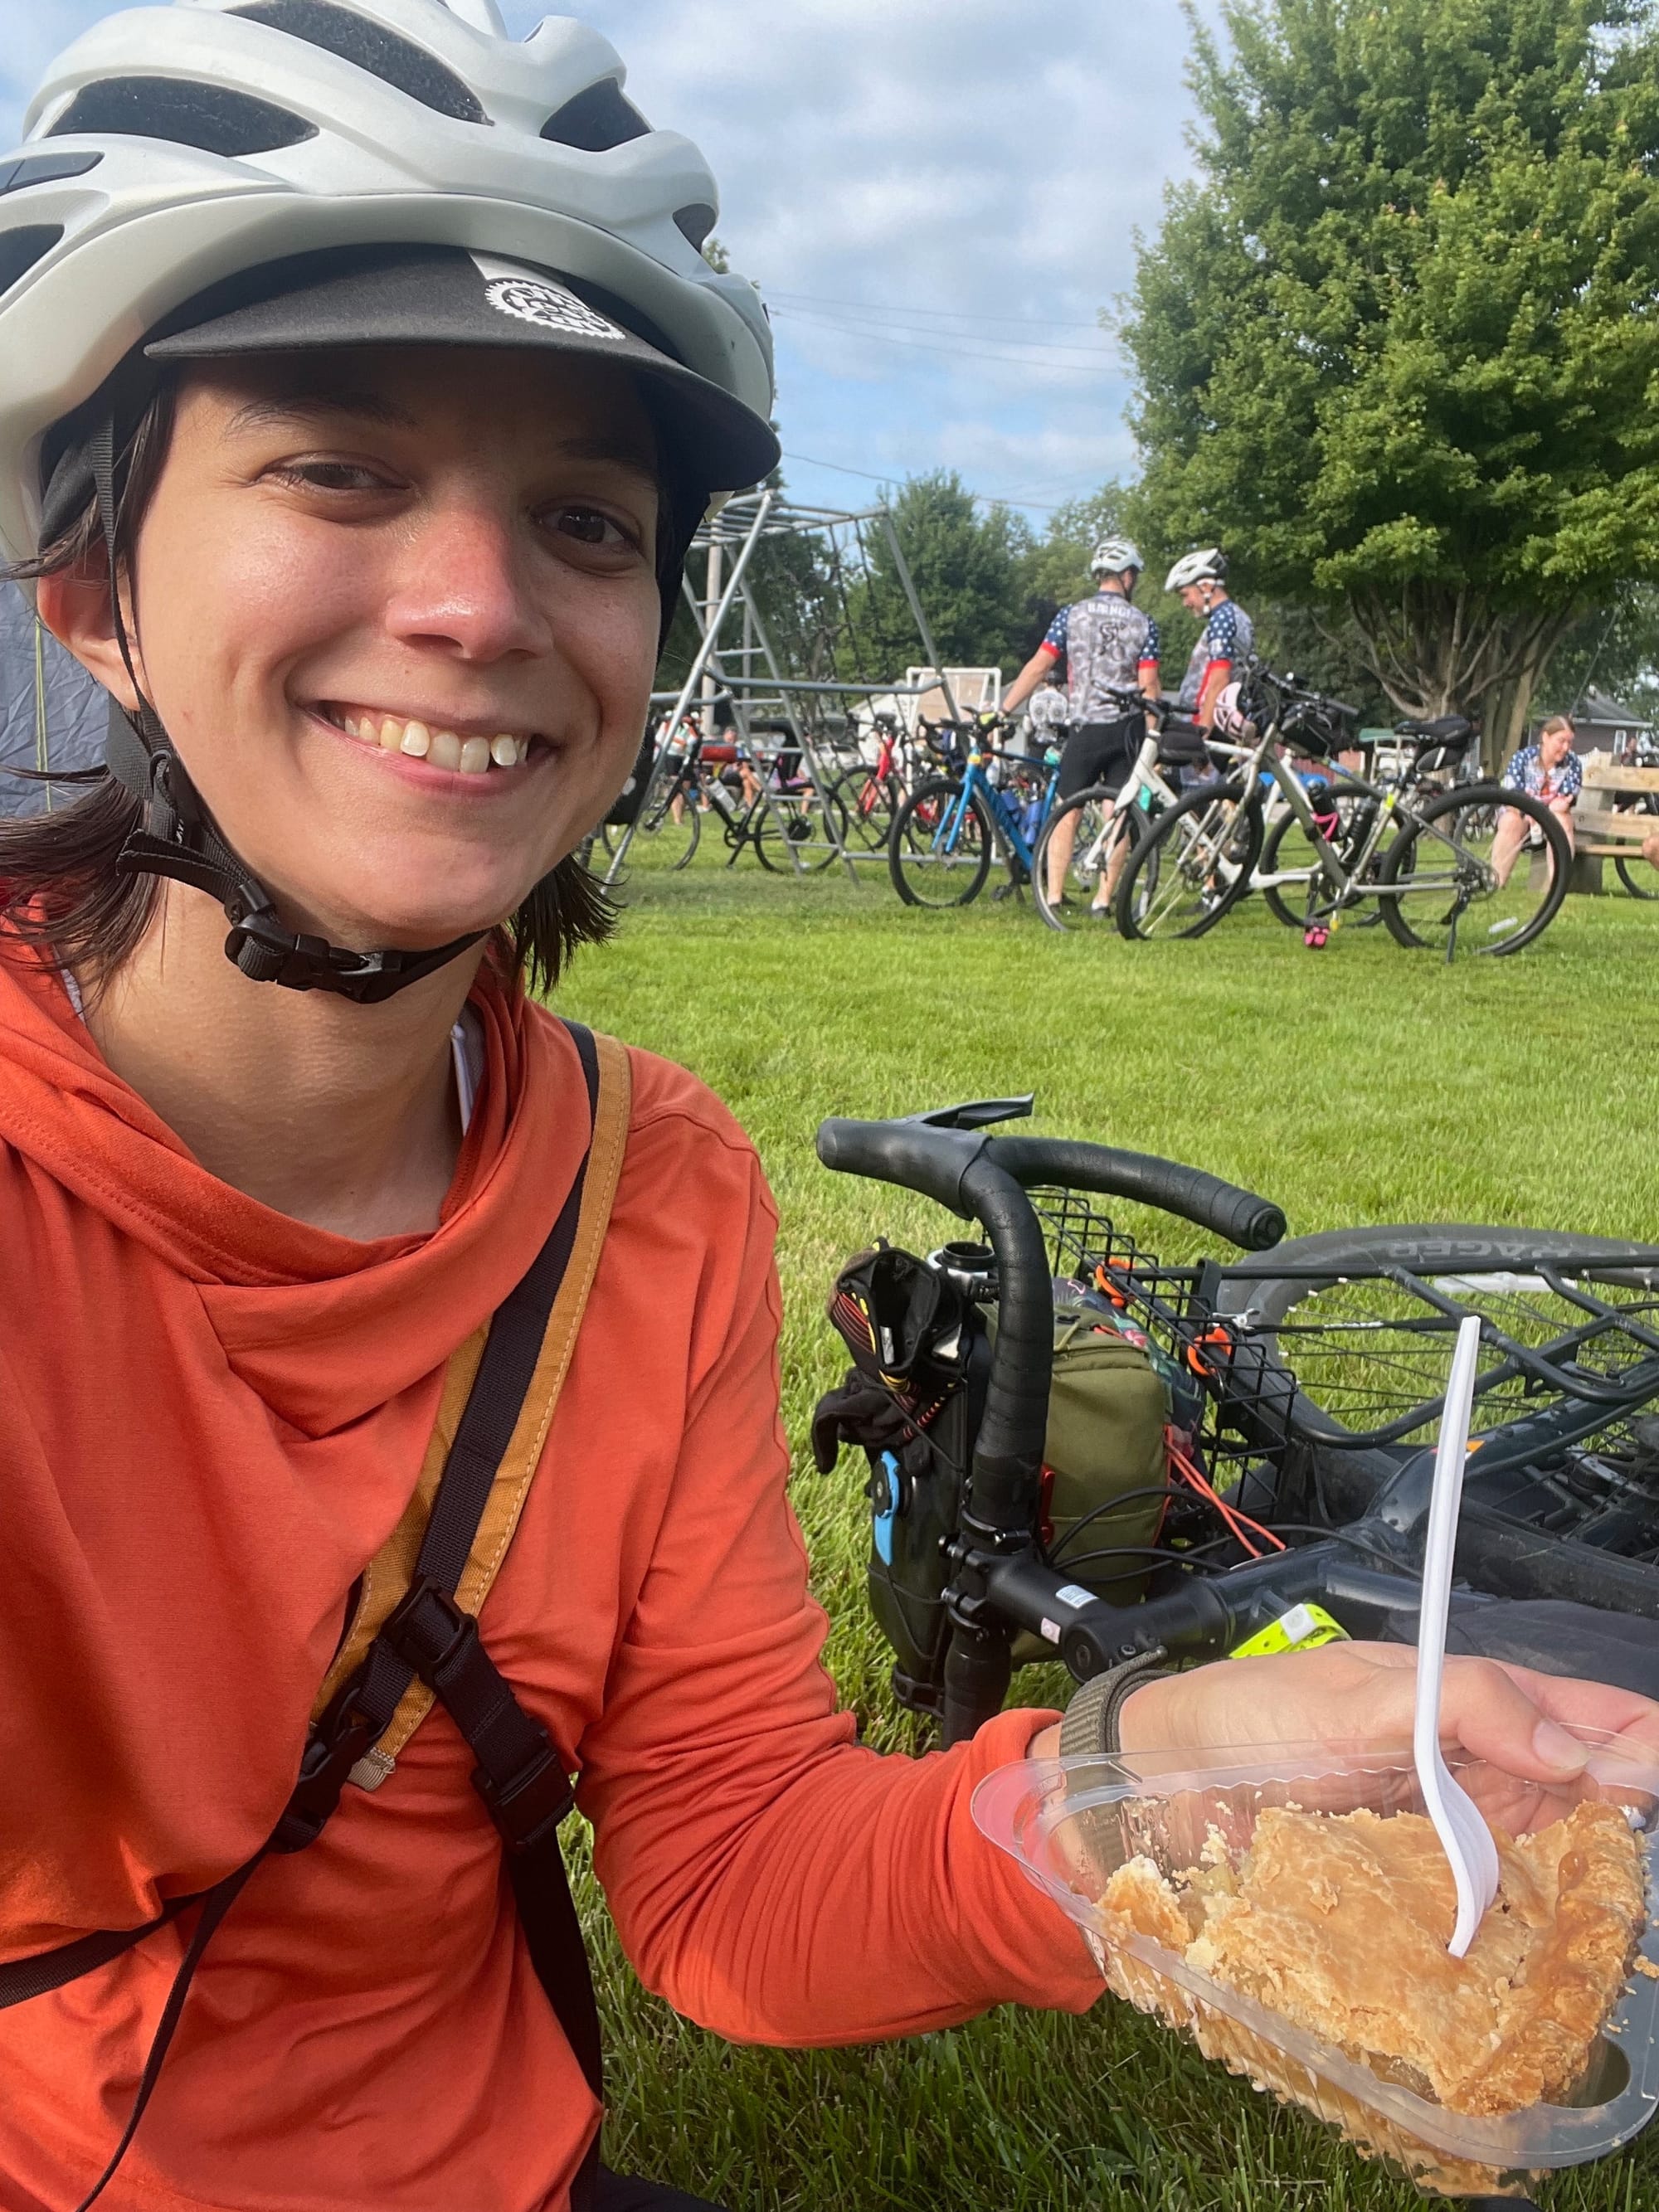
[{"x": 1305, "y": 1392}]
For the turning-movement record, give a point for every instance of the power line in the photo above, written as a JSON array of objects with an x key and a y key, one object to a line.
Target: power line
[
  {"x": 1042, "y": 359},
  {"x": 885, "y": 327},
  {"x": 952, "y": 314},
  {"x": 986, "y": 499}
]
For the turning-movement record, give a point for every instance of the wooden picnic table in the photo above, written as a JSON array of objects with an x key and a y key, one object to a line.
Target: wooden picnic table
[{"x": 1604, "y": 828}]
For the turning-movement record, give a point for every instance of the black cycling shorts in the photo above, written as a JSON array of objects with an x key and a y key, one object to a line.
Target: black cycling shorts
[{"x": 1100, "y": 753}]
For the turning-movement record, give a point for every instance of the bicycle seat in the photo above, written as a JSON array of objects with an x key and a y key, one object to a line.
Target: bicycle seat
[{"x": 1445, "y": 729}]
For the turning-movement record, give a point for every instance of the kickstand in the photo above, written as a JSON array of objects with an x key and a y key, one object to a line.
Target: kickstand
[{"x": 1451, "y": 936}]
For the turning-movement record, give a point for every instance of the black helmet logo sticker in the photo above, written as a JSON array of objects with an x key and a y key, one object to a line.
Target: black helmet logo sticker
[{"x": 513, "y": 290}]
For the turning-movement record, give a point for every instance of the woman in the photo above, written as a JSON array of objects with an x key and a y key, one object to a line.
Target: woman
[
  {"x": 358, "y": 466},
  {"x": 1550, "y": 770}
]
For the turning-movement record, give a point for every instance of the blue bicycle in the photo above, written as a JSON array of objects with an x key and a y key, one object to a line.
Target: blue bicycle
[{"x": 945, "y": 836}]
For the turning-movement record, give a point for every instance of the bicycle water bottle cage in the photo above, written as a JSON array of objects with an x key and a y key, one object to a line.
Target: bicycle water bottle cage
[{"x": 975, "y": 1113}]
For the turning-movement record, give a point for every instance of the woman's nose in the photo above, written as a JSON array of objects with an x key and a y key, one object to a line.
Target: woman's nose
[{"x": 462, "y": 588}]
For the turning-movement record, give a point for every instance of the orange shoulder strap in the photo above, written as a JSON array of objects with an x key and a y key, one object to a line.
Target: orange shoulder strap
[{"x": 389, "y": 1574}]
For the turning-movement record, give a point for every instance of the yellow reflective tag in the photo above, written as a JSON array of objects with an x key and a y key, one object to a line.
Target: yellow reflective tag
[{"x": 1304, "y": 1628}]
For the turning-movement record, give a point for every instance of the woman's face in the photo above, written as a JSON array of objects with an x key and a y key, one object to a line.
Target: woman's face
[
  {"x": 397, "y": 610},
  {"x": 1554, "y": 746}
]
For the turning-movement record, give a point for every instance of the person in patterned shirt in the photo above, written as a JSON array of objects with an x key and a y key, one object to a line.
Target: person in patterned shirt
[
  {"x": 1226, "y": 640},
  {"x": 1551, "y": 771},
  {"x": 1107, "y": 647}
]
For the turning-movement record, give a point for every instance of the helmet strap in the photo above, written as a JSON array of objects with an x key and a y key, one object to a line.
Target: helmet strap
[{"x": 178, "y": 838}]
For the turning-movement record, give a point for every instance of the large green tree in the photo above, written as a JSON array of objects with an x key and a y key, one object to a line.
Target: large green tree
[
  {"x": 968, "y": 567},
  {"x": 1398, "y": 342}
]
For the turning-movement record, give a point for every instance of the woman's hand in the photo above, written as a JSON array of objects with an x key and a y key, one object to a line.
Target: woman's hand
[{"x": 1357, "y": 1697}]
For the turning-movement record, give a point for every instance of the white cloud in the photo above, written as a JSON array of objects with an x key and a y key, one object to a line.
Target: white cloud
[{"x": 972, "y": 171}]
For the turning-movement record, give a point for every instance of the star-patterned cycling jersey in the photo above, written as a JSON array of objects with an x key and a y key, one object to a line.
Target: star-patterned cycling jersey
[
  {"x": 1527, "y": 772},
  {"x": 1104, "y": 641},
  {"x": 1227, "y": 638}
]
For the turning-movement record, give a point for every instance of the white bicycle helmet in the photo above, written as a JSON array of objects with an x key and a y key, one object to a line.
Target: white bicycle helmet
[
  {"x": 231, "y": 176},
  {"x": 172, "y": 148},
  {"x": 1207, "y": 566},
  {"x": 1113, "y": 556}
]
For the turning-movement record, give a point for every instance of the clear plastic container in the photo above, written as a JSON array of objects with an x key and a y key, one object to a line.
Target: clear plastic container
[{"x": 1072, "y": 1823}]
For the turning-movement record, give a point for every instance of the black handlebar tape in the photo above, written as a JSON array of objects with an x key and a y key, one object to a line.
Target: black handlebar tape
[
  {"x": 910, "y": 1153},
  {"x": 1254, "y": 1224},
  {"x": 1007, "y": 1464}
]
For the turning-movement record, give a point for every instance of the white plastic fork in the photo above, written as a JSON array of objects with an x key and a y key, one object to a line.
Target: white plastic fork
[{"x": 1464, "y": 1836}]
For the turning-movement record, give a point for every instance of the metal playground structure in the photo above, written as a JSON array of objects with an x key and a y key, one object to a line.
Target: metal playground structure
[{"x": 793, "y": 731}]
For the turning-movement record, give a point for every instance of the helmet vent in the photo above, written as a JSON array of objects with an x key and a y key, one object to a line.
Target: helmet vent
[
  {"x": 21, "y": 249},
  {"x": 355, "y": 38},
  {"x": 208, "y": 115},
  {"x": 596, "y": 120},
  {"x": 695, "y": 223},
  {"x": 45, "y": 169}
]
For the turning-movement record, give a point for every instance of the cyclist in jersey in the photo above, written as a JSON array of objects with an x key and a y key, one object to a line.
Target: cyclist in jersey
[
  {"x": 358, "y": 466},
  {"x": 1226, "y": 641},
  {"x": 1105, "y": 644}
]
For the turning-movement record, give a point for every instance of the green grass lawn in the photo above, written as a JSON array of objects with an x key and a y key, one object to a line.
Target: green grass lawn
[{"x": 1361, "y": 1084}]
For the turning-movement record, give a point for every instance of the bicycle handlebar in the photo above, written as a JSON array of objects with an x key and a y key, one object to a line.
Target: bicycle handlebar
[{"x": 936, "y": 1162}]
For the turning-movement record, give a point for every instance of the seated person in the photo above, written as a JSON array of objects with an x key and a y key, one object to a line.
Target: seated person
[{"x": 1549, "y": 770}]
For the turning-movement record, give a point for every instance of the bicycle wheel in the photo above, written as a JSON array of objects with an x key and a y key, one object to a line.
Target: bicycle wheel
[
  {"x": 869, "y": 805},
  {"x": 1341, "y": 1359},
  {"x": 1289, "y": 851},
  {"x": 1639, "y": 877},
  {"x": 1192, "y": 866},
  {"x": 939, "y": 853},
  {"x": 799, "y": 829},
  {"x": 1100, "y": 836},
  {"x": 661, "y": 843},
  {"x": 1439, "y": 887}
]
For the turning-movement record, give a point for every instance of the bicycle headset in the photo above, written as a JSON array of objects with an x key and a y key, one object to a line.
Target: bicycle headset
[{"x": 225, "y": 178}]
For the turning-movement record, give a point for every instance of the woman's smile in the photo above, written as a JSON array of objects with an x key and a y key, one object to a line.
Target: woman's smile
[{"x": 441, "y": 747}]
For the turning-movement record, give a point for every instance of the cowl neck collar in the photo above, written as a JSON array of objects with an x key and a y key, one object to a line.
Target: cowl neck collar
[{"x": 325, "y": 1330}]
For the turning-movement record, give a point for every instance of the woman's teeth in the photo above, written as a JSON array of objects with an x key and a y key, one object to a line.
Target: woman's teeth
[{"x": 460, "y": 755}]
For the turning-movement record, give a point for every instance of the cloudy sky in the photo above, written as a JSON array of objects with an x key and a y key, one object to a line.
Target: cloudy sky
[{"x": 937, "y": 196}]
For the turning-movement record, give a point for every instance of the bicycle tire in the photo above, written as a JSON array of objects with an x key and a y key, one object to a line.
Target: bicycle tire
[
  {"x": 1272, "y": 897},
  {"x": 1643, "y": 884},
  {"x": 797, "y": 832},
  {"x": 1420, "y": 930},
  {"x": 911, "y": 843},
  {"x": 1187, "y": 846},
  {"x": 869, "y": 804},
  {"x": 1086, "y": 810}
]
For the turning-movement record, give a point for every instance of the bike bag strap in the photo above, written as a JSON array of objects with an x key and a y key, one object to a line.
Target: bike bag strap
[{"x": 414, "y": 1637}]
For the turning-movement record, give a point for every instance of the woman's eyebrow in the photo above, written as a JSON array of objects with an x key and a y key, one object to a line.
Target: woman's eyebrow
[{"x": 308, "y": 406}]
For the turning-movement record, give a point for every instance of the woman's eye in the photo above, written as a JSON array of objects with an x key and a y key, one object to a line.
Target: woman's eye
[
  {"x": 330, "y": 476},
  {"x": 589, "y": 526}
]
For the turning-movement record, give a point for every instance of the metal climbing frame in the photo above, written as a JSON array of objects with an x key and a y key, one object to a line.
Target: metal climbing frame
[{"x": 737, "y": 663}]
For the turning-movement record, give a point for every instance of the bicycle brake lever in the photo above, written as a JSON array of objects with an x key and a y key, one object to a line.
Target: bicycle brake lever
[{"x": 975, "y": 1113}]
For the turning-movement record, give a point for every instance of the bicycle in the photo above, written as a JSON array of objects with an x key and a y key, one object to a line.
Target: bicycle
[
  {"x": 872, "y": 793},
  {"x": 1313, "y": 1378},
  {"x": 1427, "y": 865},
  {"x": 1429, "y": 757},
  {"x": 944, "y": 836},
  {"x": 1104, "y": 824},
  {"x": 780, "y": 813}
]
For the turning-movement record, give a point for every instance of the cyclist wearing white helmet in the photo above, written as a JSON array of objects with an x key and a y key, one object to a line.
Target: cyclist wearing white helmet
[
  {"x": 1105, "y": 645},
  {"x": 1226, "y": 640},
  {"x": 364, "y": 384}
]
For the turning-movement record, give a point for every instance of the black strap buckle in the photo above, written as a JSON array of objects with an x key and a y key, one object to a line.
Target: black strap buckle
[
  {"x": 427, "y": 1630},
  {"x": 331, "y": 1752},
  {"x": 528, "y": 1807}
]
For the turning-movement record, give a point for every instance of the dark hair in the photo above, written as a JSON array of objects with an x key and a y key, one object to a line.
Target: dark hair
[{"x": 59, "y": 891}]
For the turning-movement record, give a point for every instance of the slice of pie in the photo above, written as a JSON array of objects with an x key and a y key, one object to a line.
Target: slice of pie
[{"x": 1338, "y": 1923}]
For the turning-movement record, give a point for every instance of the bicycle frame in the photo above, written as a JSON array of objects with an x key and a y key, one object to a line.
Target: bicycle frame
[{"x": 1006, "y": 826}]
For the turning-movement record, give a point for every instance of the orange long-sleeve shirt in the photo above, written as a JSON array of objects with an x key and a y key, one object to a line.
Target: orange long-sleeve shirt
[{"x": 210, "y": 1417}]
